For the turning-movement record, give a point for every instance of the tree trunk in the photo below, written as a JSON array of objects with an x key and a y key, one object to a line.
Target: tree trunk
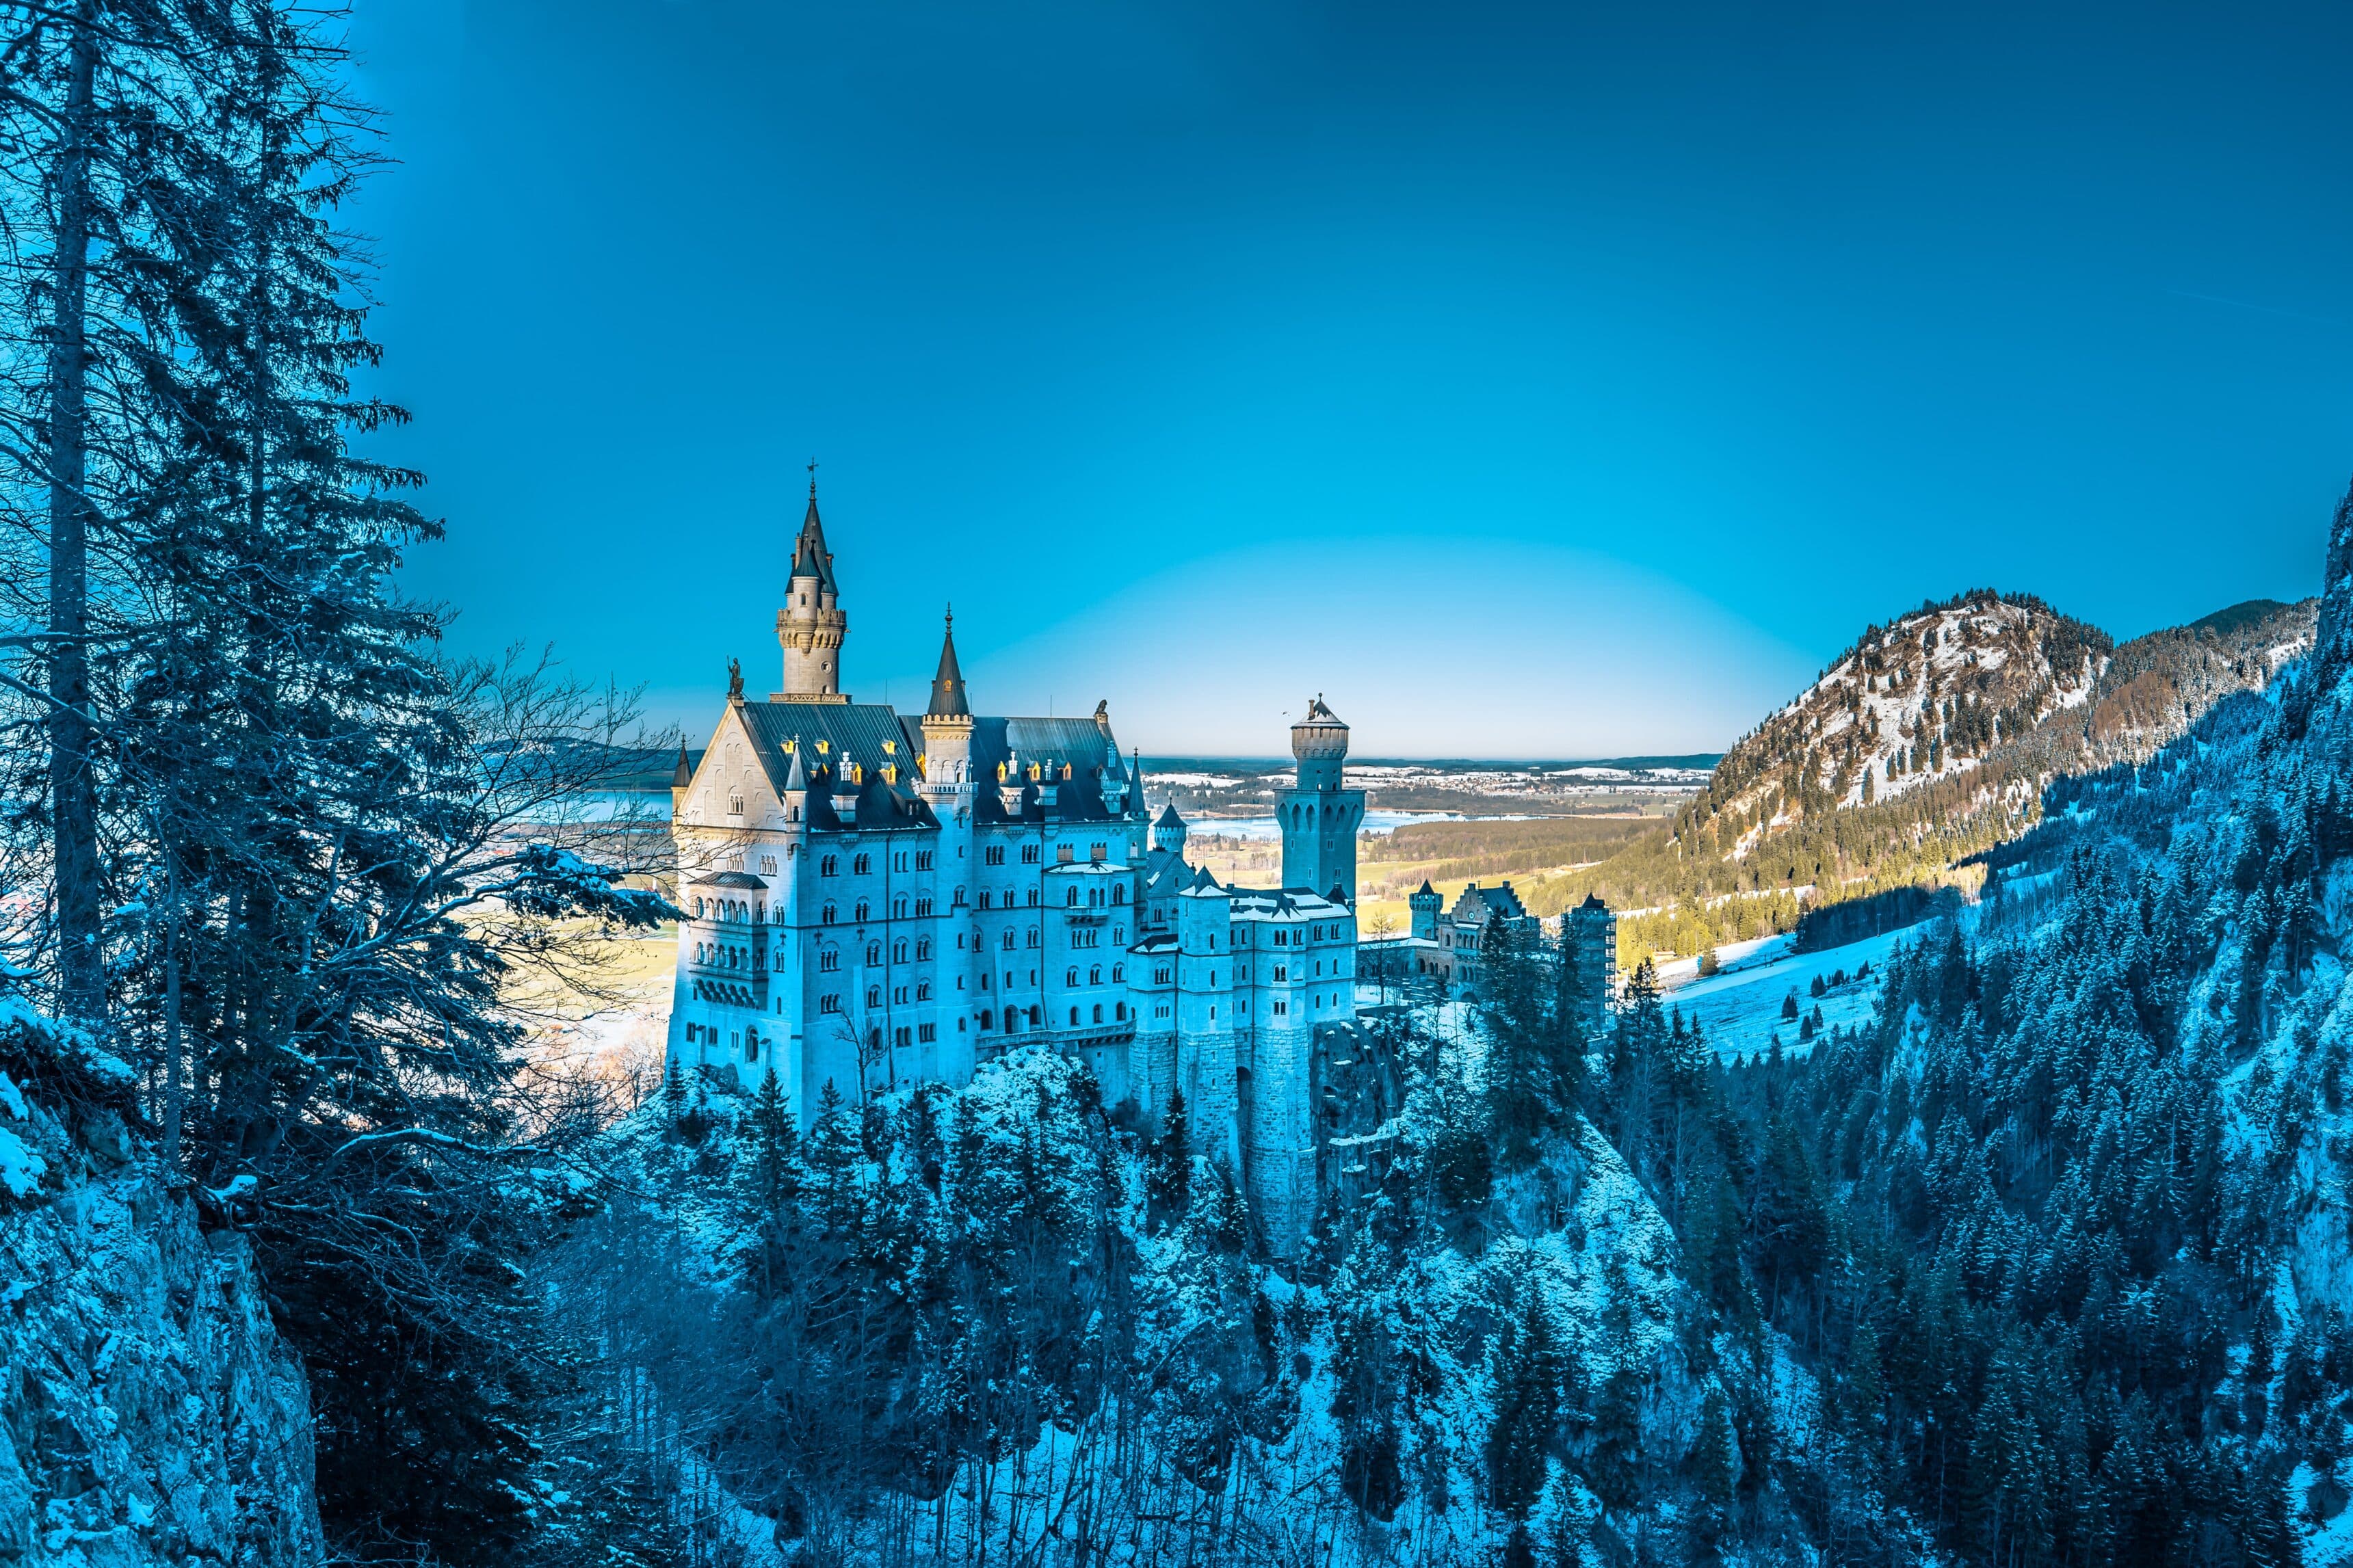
[{"x": 74, "y": 794}]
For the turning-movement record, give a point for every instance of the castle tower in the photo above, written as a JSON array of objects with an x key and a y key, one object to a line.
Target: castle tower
[
  {"x": 811, "y": 625},
  {"x": 947, "y": 724},
  {"x": 1424, "y": 902},
  {"x": 1319, "y": 820},
  {"x": 1168, "y": 833}
]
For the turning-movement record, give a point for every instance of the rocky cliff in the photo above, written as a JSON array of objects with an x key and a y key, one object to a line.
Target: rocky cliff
[{"x": 152, "y": 1414}]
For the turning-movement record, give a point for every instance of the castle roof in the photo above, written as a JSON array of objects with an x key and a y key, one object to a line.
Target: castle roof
[
  {"x": 1593, "y": 901},
  {"x": 1168, "y": 817},
  {"x": 947, "y": 683},
  {"x": 1478, "y": 903},
  {"x": 684, "y": 775},
  {"x": 810, "y": 557}
]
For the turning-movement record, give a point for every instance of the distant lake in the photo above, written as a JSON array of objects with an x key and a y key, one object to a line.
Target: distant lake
[{"x": 1377, "y": 823}]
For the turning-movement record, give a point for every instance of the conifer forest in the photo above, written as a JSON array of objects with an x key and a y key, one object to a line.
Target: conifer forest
[{"x": 306, "y": 1257}]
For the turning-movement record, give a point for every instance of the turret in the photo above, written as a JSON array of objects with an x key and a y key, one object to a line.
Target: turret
[
  {"x": 680, "y": 777},
  {"x": 1318, "y": 818},
  {"x": 811, "y": 626},
  {"x": 1169, "y": 832},
  {"x": 1424, "y": 902},
  {"x": 947, "y": 722}
]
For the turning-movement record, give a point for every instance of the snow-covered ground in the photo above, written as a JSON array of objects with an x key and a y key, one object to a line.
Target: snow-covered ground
[{"x": 1740, "y": 1007}]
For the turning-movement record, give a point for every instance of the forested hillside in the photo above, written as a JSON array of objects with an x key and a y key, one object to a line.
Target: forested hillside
[{"x": 1928, "y": 742}]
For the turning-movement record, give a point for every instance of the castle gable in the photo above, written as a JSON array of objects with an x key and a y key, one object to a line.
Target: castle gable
[{"x": 869, "y": 735}]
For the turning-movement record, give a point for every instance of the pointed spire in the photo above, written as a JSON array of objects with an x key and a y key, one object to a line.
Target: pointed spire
[
  {"x": 947, "y": 684},
  {"x": 810, "y": 557},
  {"x": 684, "y": 775},
  {"x": 795, "y": 776}
]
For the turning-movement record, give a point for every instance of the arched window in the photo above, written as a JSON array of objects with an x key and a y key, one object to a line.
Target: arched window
[
  {"x": 923, "y": 949},
  {"x": 751, "y": 1045},
  {"x": 865, "y": 910},
  {"x": 698, "y": 909},
  {"x": 986, "y": 1018},
  {"x": 1119, "y": 894},
  {"x": 1036, "y": 1016},
  {"x": 899, "y": 909},
  {"x": 1031, "y": 938},
  {"x": 1073, "y": 899},
  {"x": 1009, "y": 939},
  {"x": 829, "y": 867},
  {"x": 1094, "y": 976},
  {"x": 899, "y": 950},
  {"x": 874, "y": 995},
  {"x": 873, "y": 952},
  {"x": 1118, "y": 973},
  {"x": 1074, "y": 1017},
  {"x": 1071, "y": 978},
  {"x": 862, "y": 865},
  {"x": 1119, "y": 1011}
]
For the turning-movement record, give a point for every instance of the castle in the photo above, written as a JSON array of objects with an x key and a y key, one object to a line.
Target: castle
[{"x": 875, "y": 898}]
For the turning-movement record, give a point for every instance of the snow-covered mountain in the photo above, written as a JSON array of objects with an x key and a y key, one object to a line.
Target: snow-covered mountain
[{"x": 1991, "y": 696}]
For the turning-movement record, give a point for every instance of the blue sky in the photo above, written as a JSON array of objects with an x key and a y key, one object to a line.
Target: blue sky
[{"x": 1534, "y": 381}]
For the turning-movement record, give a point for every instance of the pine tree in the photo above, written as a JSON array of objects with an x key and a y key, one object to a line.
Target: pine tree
[
  {"x": 1168, "y": 1174},
  {"x": 1525, "y": 1367}
]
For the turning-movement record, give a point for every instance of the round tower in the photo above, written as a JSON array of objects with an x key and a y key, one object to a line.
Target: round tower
[
  {"x": 1169, "y": 832},
  {"x": 1320, "y": 745},
  {"x": 811, "y": 626},
  {"x": 1318, "y": 818}
]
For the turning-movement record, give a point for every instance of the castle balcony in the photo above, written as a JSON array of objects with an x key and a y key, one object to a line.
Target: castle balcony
[{"x": 729, "y": 987}]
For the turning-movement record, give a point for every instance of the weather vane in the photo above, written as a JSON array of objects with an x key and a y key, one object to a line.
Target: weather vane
[{"x": 812, "y": 468}]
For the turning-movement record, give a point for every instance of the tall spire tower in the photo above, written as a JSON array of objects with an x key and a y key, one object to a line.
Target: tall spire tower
[
  {"x": 948, "y": 724},
  {"x": 811, "y": 625}
]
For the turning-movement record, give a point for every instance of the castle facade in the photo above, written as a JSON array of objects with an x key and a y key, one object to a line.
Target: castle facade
[{"x": 875, "y": 898}]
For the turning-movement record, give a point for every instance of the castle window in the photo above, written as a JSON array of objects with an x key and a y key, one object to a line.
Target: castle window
[
  {"x": 923, "y": 907},
  {"x": 830, "y": 866},
  {"x": 1009, "y": 939},
  {"x": 1119, "y": 894},
  {"x": 1281, "y": 972},
  {"x": 698, "y": 909},
  {"x": 1119, "y": 1011},
  {"x": 983, "y": 897},
  {"x": 922, "y": 859},
  {"x": 924, "y": 991},
  {"x": 767, "y": 865},
  {"x": 1160, "y": 977},
  {"x": 1033, "y": 898},
  {"x": 873, "y": 953},
  {"x": 1029, "y": 853},
  {"x": 927, "y": 1033},
  {"x": 1074, "y": 1017},
  {"x": 874, "y": 995},
  {"x": 959, "y": 1024},
  {"x": 898, "y": 909},
  {"x": 899, "y": 950},
  {"x": 1096, "y": 852},
  {"x": 1065, "y": 853},
  {"x": 1119, "y": 936},
  {"x": 1036, "y": 1016},
  {"x": 1098, "y": 1014},
  {"x": 829, "y": 961},
  {"x": 923, "y": 948},
  {"x": 1094, "y": 974},
  {"x": 987, "y": 1016},
  {"x": 905, "y": 1036},
  {"x": 899, "y": 995},
  {"x": 865, "y": 910},
  {"x": 899, "y": 862},
  {"x": 862, "y": 865},
  {"x": 1279, "y": 1006},
  {"x": 1073, "y": 900},
  {"x": 1072, "y": 977},
  {"x": 734, "y": 805},
  {"x": 829, "y": 1003},
  {"x": 1031, "y": 938},
  {"x": 995, "y": 857},
  {"x": 826, "y": 916},
  {"x": 751, "y": 1045},
  {"x": 956, "y": 899}
]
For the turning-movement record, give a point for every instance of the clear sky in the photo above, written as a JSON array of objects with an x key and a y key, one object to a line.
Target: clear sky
[{"x": 1547, "y": 380}]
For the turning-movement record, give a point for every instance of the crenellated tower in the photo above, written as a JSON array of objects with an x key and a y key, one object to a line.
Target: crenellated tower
[
  {"x": 811, "y": 625},
  {"x": 1318, "y": 818}
]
